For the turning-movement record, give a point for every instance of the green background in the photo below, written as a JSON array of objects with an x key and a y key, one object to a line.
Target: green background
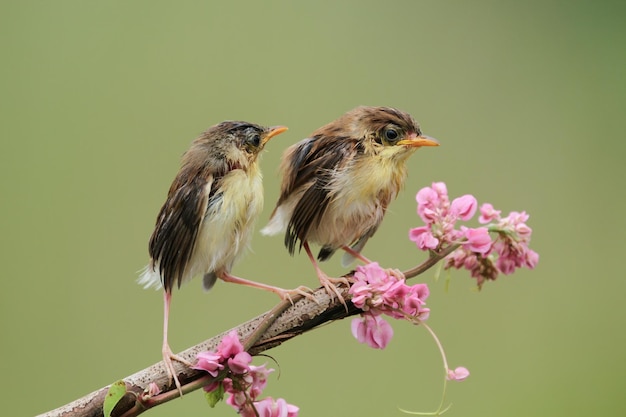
[{"x": 100, "y": 99}]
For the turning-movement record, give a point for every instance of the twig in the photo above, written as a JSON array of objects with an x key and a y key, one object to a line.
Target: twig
[{"x": 261, "y": 333}]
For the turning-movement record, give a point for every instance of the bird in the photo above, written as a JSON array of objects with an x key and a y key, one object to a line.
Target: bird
[
  {"x": 206, "y": 222},
  {"x": 338, "y": 183}
]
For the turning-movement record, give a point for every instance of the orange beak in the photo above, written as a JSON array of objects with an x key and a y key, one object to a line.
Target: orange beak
[
  {"x": 273, "y": 131},
  {"x": 416, "y": 141}
]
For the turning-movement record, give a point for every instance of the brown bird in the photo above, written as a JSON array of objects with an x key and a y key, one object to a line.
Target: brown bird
[
  {"x": 338, "y": 183},
  {"x": 208, "y": 217}
]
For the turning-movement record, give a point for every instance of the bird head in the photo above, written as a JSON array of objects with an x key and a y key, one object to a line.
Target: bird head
[
  {"x": 387, "y": 131},
  {"x": 231, "y": 145}
]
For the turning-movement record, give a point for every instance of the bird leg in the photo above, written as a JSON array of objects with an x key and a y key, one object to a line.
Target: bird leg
[
  {"x": 356, "y": 254},
  {"x": 281, "y": 292},
  {"x": 328, "y": 282},
  {"x": 390, "y": 271},
  {"x": 168, "y": 355}
]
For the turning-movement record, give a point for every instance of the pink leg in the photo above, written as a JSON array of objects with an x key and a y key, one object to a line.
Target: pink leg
[
  {"x": 328, "y": 282},
  {"x": 356, "y": 254},
  {"x": 168, "y": 355},
  {"x": 282, "y": 293}
]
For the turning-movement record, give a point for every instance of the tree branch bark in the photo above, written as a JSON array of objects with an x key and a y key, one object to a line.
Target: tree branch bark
[{"x": 259, "y": 334}]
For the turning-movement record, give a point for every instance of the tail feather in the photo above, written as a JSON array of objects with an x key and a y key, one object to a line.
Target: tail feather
[{"x": 150, "y": 278}]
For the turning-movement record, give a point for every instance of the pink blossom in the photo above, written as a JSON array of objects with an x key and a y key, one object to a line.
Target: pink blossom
[
  {"x": 488, "y": 214},
  {"x": 379, "y": 292},
  {"x": 423, "y": 238},
  {"x": 279, "y": 408},
  {"x": 372, "y": 330},
  {"x": 441, "y": 189},
  {"x": 478, "y": 240},
  {"x": 239, "y": 364},
  {"x": 153, "y": 389},
  {"x": 464, "y": 207},
  {"x": 258, "y": 379},
  {"x": 230, "y": 345},
  {"x": 458, "y": 374},
  {"x": 532, "y": 258},
  {"x": 209, "y": 362}
]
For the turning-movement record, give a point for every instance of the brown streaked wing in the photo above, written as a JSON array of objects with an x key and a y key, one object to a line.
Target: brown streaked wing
[
  {"x": 311, "y": 165},
  {"x": 178, "y": 223}
]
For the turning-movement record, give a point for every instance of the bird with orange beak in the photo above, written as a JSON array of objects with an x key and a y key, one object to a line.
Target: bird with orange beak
[
  {"x": 337, "y": 183},
  {"x": 207, "y": 219}
]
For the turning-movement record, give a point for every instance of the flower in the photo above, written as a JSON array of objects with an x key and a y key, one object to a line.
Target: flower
[
  {"x": 488, "y": 214},
  {"x": 243, "y": 382},
  {"x": 240, "y": 363},
  {"x": 478, "y": 240},
  {"x": 209, "y": 362},
  {"x": 464, "y": 207},
  {"x": 279, "y": 408},
  {"x": 423, "y": 238},
  {"x": 458, "y": 374},
  {"x": 372, "y": 330},
  {"x": 377, "y": 291},
  {"x": 229, "y": 345},
  {"x": 485, "y": 257}
]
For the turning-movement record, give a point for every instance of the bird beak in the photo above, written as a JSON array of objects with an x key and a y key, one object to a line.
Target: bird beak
[
  {"x": 416, "y": 141},
  {"x": 273, "y": 131}
]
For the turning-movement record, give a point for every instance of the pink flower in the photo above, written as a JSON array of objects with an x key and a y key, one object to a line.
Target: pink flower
[
  {"x": 532, "y": 258},
  {"x": 488, "y": 214},
  {"x": 423, "y": 238},
  {"x": 229, "y": 345},
  {"x": 372, "y": 330},
  {"x": 478, "y": 240},
  {"x": 458, "y": 374},
  {"x": 240, "y": 363},
  {"x": 464, "y": 207},
  {"x": 258, "y": 379},
  {"x": 153, "y": 389},
  {"x": 209, "y": 362},
  {"x": 279, "y": 408}
]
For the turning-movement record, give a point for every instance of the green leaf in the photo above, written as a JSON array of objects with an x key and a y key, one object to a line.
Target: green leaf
[
  {"x": 114, "y": 395},
  {"x": 215, "y": 396}
]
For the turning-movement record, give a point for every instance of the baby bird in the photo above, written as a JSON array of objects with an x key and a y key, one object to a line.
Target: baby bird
[
  {"x": 208, "y": 217},
  {"x": 337, "y": 183}
]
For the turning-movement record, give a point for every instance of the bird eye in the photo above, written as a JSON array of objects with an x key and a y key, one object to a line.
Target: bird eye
[
  {"x": 391, "y": 134},
  {"x": 254, "y": 139}
]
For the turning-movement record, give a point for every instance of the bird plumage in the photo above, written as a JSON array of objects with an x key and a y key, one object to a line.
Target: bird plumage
[
  {"x": 338, "y": 183},
  {"x": 207, "y": 220}
]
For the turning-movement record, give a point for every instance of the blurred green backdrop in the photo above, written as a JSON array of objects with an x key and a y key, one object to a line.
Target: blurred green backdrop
[{"x": 100, "y": 99}]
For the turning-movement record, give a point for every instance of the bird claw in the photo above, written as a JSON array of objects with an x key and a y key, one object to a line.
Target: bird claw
[
  {"x": 300, "y": 291},
  {"x": 330, "y": 284},
  {"x": 168, "y": 356},
  {"x": 395, "y": 272}
]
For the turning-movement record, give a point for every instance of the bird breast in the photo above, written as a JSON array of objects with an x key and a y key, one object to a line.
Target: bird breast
[
  {"x": 359, "y": 195},
  {"x": 227, "y": 227}
]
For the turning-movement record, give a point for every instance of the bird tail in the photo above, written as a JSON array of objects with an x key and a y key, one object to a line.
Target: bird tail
[
  {"x": 150, "y": 277},
  {"x": 208, "y": 280},
  {"x": 277, "y": 224}
]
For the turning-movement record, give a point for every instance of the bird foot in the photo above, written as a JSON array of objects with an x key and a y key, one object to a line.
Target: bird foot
[
  {"x": 395, "y": 272},
  {"x": 330, "y": 284},
  {"x": 168, "y": 356},
  {"x": 300, "y": 291}
]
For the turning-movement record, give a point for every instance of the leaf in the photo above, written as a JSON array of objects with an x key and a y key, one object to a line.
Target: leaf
[
  {"x": 114, "y": 395},
  {"x": 215, "y": 396}
]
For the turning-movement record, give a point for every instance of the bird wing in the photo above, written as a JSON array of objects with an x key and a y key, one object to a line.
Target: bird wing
[
  {"x": 308, "y": 169},
  {"x": 178, "y": 223}
]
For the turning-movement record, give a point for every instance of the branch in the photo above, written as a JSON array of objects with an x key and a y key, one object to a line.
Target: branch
[{"x": 261, "y": 333}]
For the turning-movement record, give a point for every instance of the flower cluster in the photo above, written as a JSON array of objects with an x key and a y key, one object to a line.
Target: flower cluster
[
  {"x": 377, "y": 292},
  {"x": 483, "y": 256},
  {"x": 242, "y": 381}
]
